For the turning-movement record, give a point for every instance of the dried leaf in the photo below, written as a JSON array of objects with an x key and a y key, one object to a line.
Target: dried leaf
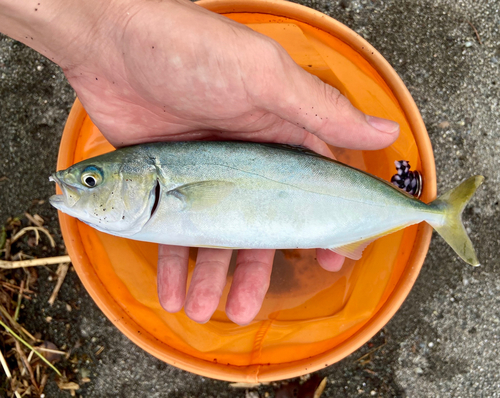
[{"x": 69, "y": 385}]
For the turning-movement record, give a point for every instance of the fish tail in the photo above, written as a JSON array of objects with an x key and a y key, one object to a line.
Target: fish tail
[{"x": 452, "y": 204}]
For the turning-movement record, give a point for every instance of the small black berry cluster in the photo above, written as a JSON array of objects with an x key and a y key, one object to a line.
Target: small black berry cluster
[{"x": 409, "y": 181}]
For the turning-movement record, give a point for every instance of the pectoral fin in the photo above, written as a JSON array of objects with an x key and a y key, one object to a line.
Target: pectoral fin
[{"x": 204, "y": 194}]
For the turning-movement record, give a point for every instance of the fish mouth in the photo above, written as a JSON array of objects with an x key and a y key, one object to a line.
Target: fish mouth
[
  {"x": 57, "y": 201},
  {"x": 70, "y": 195}
]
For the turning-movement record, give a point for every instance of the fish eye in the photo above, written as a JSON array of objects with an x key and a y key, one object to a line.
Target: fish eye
[
  {"x": 90, "y": 181},
  {"x": 91, "y": 177}
]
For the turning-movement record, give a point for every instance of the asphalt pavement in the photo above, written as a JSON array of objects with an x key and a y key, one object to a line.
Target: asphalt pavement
[{"x": 444, "y": 340}]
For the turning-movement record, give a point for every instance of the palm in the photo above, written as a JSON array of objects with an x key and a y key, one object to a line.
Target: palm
[{"x": 215, "y": 99}]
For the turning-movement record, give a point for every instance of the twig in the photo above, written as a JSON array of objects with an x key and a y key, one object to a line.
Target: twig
[
  {"x": 19, "y": 300},
  {"x": 14, "y": 288},
  {"x": 17, "y": 291},
  {"x": 6, "y": 249},
  {"x": 30, "y": 356},
  {"x": 371, "y": 352},
  {"x": 50, "y": 350},
  {"x": 34, "y": 262},
  {"x": 30, "y": 347},
  {"x": 477, "y": 34},
  {"x": 5, "y": 366},
  {"x": 36, "y": 229},
  {"x": 21, "y": 256},
  {"x": 247, "y": 385},
  {"x": 33, "y": 219},
  {"x": 27, "y": 365},
  {"x": 320, "y": 388},
  {"x": 24, "y": 230},
  {"x": 45, "y": 378},
  {"x": 6, "y": 314},
  {"x": 3, "y": 237},
  {"x": 20, "y": 365},
  {"x": 62, "y": 270}
]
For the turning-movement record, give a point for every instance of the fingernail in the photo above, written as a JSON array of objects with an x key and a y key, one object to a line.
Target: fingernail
[{"x": 383, "y": 125}]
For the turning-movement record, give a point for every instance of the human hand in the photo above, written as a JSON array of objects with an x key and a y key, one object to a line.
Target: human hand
[{"x": 153, "y": 71}]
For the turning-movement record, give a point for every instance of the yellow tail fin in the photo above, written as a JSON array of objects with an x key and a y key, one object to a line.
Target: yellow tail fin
[{"x": 453, "y": 232}]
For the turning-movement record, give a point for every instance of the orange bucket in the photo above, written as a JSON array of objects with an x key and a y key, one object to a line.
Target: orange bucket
[{"x": 310, "y": 318}]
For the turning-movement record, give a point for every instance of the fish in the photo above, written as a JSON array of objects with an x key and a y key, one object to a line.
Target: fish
[{"x": 245, "y": 195}]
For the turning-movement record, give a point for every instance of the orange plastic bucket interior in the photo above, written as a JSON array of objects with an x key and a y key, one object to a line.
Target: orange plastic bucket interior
[{"x": 310, "y": 317}]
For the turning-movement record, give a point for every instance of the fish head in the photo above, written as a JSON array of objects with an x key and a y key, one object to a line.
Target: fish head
[{"x": 108, "y": 194}]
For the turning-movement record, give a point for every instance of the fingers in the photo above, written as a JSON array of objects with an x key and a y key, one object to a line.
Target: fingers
[
  {"x": 172, "y": 276},
  {"x": 329, "y": 260},
  {"x": 207, "y": 283},
  {"x": 320, "y": 109},
  {"x": 250, "y": 283}
]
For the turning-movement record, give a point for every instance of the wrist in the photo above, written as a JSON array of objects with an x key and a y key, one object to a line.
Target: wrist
[{"x": 64, "y": 30}]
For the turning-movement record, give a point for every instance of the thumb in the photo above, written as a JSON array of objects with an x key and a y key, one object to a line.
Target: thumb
[{"x": 322, "y": 110}]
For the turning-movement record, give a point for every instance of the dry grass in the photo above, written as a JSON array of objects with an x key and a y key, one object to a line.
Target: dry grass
[{"x": 27, "y": 361}]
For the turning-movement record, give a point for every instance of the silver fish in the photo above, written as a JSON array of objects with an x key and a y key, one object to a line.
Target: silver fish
[{"x": 249, "y": 195}]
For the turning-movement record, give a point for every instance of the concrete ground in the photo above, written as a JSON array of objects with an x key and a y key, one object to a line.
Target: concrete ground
[{"x": 444, "y": 340}]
